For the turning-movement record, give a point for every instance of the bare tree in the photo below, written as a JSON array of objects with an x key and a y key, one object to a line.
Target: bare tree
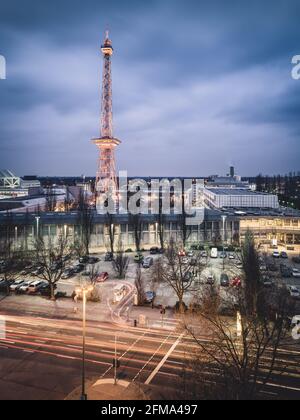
[
  {"x": 49, "y": 256},
  {"x": 161, "y": 225},
  {"x": 139, "y": 285},
  {"x": 177, "y": 273},
  {"x": 233, "y": 360},
  {"x": 121, "y": 260},
  {"x": 85, "y": 221},
  {"x": 254, "y": 291},
  {"x": 51, "y": 201},
  {"x": 111, "y": 228},
  {"x": 137, "y": 223}
]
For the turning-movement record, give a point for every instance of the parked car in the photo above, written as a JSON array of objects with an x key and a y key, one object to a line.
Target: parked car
[
  {"x": 102, "y": 277},
  {"x": 267, "y": 282},
  {"x": 223, "y": 255},
  {"x": 154, "y": 250},
  {"x": 236, "y": 282},
  {"x": 37, "y": 271},
  {"x": 138, "y": 258},
  {"x": 272, "y": 267},
  {"x": 147, "y": 262},
  {"x": 294, "y": 292},
  {"x": 109, "y": 256},
  {"x": 149, "y": 297},
  {"x": 210, "y": 280},
  {"x": 276, "y": 254},
  {"x": 296, "y": 260},
  {"x": 231, "y": 256},
  {"x": 25, "y": 286},
  {"x": 45, "y": 290},
  {"x": 185, "y": 261},
  {"x": 182, "y": 253},
  {"x": 214, "y": 253},
  {"x": 295, "y": 272},
  {"x": 224, "y": 280},
  {"x": 284, "y": 255},
  {"x": 190, "y": 254},
  {"x": 27, "y": 270},
  {"x": 15, "y": 285},
  {"x": 84, "y": 259},
  {"x": 286, "y": 272},
  {"x": 34, "y": 287},
  {"x": 263, "y": 267},
  {"x": 67, "y": 274},
  {"x": 4, "y": 285},
  {"x": 93, "y": 260},
  {"x": 78, "y": 268},
  {"x": 204, "y": 254},
  {"x": 187, "y": 277}
]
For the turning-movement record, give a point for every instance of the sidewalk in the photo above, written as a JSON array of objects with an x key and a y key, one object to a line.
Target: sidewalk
[{"x": 105, "y": 389}]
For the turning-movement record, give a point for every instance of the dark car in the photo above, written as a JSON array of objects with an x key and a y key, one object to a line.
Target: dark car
[
  {"x": 284, "y": 255},
  {"x": 93, "y": 260},
  {"x": 154, "y": 250},
  {"x": 296, "y": 260},
  {"x": 272, "y": 267},
  {"x": 224, "y": 280},
  {"x": 4, "y": 286},
  {"x": 78, "y": 268},
  {"x": 84, "y": 259},
  {"x": 45, "y": 290},
  {"x": 286, "y": 272},
  {"x": 68, "y": 273},
  {"x": 109, "y": 256},
  {"x": 149, "y": 297}
]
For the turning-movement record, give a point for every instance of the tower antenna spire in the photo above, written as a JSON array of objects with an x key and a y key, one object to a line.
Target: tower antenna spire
[{"x": 106, "y": 180}]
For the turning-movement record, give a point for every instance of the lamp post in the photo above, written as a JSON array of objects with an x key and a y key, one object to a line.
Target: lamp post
[
  {"x": 16, "y": 236},
  {"x": 37, "y": 225},
  {"x": 224, "y": 221},
  {"x": 84, "y": 290}
]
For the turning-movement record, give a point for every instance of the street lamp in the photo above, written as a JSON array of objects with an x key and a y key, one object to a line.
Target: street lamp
[
  {"x": 83, "y": 290},
  {"x": 16, "y": 235},
  {"x": 224, "y": 217},
  {"x": 37, "y": 225}
]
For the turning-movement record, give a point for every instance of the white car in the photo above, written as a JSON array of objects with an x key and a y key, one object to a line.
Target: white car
[
  {"x": 231, "y": 256},
  {"x": 25, "y": 286},
  {"x": 185, "y": 261},
  {"x": 13, "y": 287},
  {"x": 295, "y": 272},
  {"x": 294, "y": 292}
]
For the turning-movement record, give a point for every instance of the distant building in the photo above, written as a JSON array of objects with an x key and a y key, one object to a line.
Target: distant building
[
  {"x": 14, "y": 186},
  {"x": 236, "y": 198}
]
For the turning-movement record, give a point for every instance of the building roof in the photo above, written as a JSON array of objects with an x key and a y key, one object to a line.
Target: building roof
[
  {"x": 235, "y": 191},
  {"x": 5, "y": 173}
]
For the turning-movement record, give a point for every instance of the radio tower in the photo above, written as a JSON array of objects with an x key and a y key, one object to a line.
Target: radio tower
[{"x": 106, "y": 180}]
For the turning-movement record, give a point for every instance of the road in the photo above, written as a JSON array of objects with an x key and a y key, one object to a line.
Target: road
[{"x": 40, "y": 358}]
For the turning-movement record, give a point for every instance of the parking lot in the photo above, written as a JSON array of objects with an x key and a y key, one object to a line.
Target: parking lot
[{"x": 212, "y": 272}]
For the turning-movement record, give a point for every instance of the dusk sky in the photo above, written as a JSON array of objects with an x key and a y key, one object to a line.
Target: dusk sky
[{"x": 197, "y": 85}]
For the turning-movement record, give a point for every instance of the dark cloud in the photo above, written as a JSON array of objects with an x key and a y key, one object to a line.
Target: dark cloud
[{"x": 198, "y": 85}]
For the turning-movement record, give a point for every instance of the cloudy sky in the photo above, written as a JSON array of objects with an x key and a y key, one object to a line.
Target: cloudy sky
[{"x": 198, "y": 85}]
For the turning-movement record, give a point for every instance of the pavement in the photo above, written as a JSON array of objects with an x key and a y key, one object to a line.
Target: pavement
[{"x": 108, "y": 390}]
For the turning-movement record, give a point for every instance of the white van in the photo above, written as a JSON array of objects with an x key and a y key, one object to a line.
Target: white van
[{"x": 214, "y": 253}]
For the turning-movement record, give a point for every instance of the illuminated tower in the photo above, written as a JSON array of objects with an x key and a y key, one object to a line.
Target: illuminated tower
[{"x": 106, "y": 174}]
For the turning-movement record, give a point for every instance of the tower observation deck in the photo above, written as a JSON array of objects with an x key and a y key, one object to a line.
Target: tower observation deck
[{"x": 106, "y": 179}]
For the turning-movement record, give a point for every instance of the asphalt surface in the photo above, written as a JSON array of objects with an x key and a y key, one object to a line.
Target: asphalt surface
[{"x": 40, "y": 358}]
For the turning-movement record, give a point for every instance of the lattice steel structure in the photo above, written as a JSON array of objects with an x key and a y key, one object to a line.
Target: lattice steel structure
[{"x": 106, "y": 173}]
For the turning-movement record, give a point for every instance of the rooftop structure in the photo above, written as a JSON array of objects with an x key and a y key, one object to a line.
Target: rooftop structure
[{"x": 239, "y": 198}]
